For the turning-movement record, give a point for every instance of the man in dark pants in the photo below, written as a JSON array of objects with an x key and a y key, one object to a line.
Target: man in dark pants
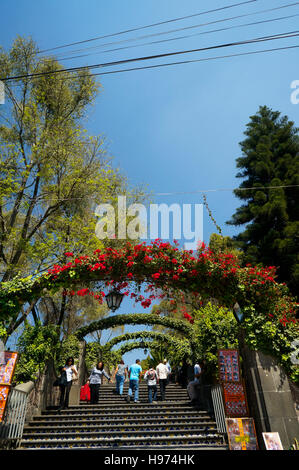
[{"x": 162, "y": 374}]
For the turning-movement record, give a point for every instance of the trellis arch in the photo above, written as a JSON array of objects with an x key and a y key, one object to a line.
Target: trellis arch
[
  {"x": 181, "y": 346},
  {"x": 131, "y": 345},
  {"x": 162, "y": 266},
  {"x": 136, "y": 319}
]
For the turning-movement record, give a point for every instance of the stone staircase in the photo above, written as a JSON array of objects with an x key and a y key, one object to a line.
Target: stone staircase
[{"x": 116, "y": 424}]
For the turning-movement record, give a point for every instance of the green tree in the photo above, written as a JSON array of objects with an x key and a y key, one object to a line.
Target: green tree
[
  {"x": 228, "y": 245},
  {"x": 52, "y": 173},
  {"x": 270, "y": 157}
]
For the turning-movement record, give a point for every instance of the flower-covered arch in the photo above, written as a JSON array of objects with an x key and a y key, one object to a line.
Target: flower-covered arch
[{"x": 163, "y": 267}]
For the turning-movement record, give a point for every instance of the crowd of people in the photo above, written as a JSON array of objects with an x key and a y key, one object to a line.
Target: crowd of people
[{"x": 154, "y": 377}]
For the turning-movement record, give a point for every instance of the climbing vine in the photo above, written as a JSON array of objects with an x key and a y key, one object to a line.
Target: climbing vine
[
  {"x": 161, "y": 266},
  {"x": 135, "y": 319},
  {"x": 181, "y": 347}
]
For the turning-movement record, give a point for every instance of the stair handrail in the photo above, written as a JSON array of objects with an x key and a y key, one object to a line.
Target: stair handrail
[
  {"x": 218, "y": 405},
  {"x": 12, "y": 425}
]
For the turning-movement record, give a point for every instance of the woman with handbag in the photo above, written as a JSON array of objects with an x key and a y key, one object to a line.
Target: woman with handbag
[
  {"x": 95, "y": 381},
  {"x": 65, "y": 382}
]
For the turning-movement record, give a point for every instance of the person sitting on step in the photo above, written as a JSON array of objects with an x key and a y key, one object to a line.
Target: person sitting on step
[{"x": 193, "y": 386}]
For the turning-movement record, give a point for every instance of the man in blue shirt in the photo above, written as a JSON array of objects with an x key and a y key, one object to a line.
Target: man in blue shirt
[{"x": 134, "y": 376}]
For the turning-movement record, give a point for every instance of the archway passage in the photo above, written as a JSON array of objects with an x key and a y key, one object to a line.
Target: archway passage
[
  {"x": 136, "y": 319},
  {"x": 182, "y": 347},
  {"x": 161, "y": 266}
]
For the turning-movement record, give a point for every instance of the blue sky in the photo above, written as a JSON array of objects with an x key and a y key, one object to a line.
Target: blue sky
[{"x": 174, "y": 129}]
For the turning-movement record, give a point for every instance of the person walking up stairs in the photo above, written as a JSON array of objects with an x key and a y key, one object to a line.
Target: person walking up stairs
[
  {"x": 162, "y": 374},
  {"x": 134, "y": 379},
  {"x": 151, "y": 378}
]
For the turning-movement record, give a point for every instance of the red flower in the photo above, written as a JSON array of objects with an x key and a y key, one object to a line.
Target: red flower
[{"x": 156, "y": 276}]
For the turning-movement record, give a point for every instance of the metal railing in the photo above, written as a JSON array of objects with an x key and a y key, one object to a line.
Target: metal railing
[
  {"x": 216, "y": 392},
  {"x": 11, "y": 428}
]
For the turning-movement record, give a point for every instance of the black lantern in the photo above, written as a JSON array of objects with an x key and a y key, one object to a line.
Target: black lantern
[
  {"x": 142, "y": 345},
  {"x": 238, "y": 313},
  {"x": 114, "y": 299}
]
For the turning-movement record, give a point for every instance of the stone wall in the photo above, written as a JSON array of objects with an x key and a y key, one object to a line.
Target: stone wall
[{"x": 271, "y": 401}]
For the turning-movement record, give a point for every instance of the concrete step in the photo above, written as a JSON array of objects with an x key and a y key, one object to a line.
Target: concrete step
[
  {"x": 115, "y": 424},
  {"x": 124, "y": 405},
  {"x": 91, "y": 427},
  {"x": 128, "y": 414},
  {"x": 121, "y": 421},
  {"x": 124, "y": 432},
  {"x": 172, "y": 438}
]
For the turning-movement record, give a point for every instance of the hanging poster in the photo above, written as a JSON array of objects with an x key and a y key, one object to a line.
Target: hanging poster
[
  {"x": 241, "y": 434},
  {"x": 272, "y": 441},
  {"x": 234, "y": 398},
  {"x": 7, "y": 366},
  {"x": 4, "y": 391},
  {"x": 229, "y": 365}
]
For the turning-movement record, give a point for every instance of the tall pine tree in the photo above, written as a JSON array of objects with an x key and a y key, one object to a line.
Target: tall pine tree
[{"x": 270, "y": 157}]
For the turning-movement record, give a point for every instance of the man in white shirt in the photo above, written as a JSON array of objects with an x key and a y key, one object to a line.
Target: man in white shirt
[{"x": 162, "y": 374}]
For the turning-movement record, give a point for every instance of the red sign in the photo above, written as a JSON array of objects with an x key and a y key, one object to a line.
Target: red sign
[
  {"x": 229, "y": 365},
  {"x": 235, "y": 402}
]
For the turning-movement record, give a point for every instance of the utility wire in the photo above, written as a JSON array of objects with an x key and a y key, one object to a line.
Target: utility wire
[
  {"x": 149, "y": 26},
  {"x": 156, "y": 56},
  {"x": 191, "y": 61},
  {"x": 181, "y": 62},
  {"x": 179, "y": 37},
  {"x": 177, "y": 193},
  {"x": 253, "y": 188},
  {"x": 181, "y": 29}
]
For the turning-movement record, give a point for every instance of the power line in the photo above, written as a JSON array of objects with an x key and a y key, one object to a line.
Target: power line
[
  {"x": 180, "y": 37},
  {"x": 149, "y": 26},
  {"x": 156, "y": 56},
  {"x": 178, "y": 193},
  {"x": 194, "y": 61},
  {"x": 184, "y": 62},
  {"x": 181, "y": 29},
  {"x": 253, "y": 188}
]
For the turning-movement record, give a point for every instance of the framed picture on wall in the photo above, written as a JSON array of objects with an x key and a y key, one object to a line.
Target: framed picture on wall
[
  {"x": 229, "y": 365},
  {"x": 235, "y": 401},
  {"x": 272, "y": 441},
  {"x": 4, "y": 391},
  {"x": 241, "y": 434},
  {"x": 7, "y": 366}
]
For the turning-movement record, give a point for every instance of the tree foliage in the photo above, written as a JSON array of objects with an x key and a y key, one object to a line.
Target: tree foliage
[
  {"x": 270, "y": 157},
  {"x": 52, "y": 173}
]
